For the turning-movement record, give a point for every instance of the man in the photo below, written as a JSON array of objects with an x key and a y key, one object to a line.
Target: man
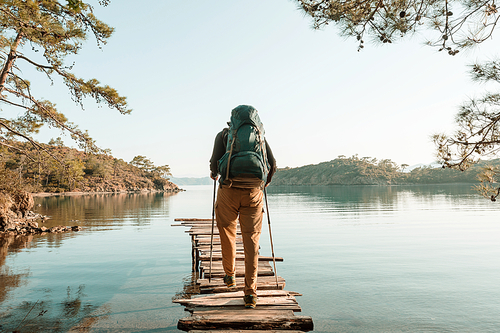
[{"x": 246, "y": 164}]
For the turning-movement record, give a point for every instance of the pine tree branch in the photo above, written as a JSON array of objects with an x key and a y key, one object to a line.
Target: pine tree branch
[
  {"x": 73, "y": 83},
  {"x": 20, "y": 56},
  {"x": 22, "y": 151},
  {"x": 46, "y": 112},
  {"x": 33, "y": 142}
]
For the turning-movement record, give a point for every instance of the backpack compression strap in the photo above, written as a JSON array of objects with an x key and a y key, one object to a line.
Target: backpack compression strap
[{"x": 229, "y": 159}]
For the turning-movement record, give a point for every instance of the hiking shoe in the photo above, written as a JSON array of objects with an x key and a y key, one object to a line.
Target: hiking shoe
[
  {"x": 250, "y": 301},
  {"x": 229, "y": 281}
]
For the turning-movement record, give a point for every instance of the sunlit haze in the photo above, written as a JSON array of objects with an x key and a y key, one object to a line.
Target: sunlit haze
[{"x": 183, "y": 65}]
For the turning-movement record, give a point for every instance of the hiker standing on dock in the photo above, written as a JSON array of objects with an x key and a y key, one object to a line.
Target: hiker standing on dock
[{"x": 245, "y": 163}]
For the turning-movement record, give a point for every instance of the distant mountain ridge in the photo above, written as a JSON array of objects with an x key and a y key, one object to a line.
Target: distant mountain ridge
[
  {"x": 370, "y": 171},
  {"x": 362, "y": 171},
  {"x": 191, "y": 180}
]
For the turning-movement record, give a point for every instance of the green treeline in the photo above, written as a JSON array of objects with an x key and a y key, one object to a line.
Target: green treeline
[
  {"x": 54, "y": 167},
  {"x": 370, "y": 171}
]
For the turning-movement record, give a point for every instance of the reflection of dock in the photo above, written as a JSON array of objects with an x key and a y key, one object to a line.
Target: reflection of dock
[{"x": 223, "y": 308}]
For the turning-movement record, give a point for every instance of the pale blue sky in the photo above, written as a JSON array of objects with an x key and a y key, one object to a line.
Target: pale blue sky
[{"x": 183, "y": 66}]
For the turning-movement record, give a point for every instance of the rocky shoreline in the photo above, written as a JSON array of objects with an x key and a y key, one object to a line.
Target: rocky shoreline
[
  {"x": 30, "y": 225},
  {"x": 138, "y": 191},
  {"x": 17, "y": 218}
]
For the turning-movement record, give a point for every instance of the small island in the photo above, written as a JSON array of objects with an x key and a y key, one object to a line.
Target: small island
[{"x": 64, "y": 171}]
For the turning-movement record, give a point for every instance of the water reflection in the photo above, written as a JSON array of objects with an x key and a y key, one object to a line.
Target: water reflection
[
  {"x": 42, "y": 306},
  {"x": 190, "y": 287},
  {"x": 393, "y": 259},
  {"x": 48, "y": 315},
  {"x": 384, "y": 194},
  {"x": 94, "y": 210},
  {"x": 8, "y": 279},
  {"x": 371, "y": 198},
  {"x": 30, "y": 316}
]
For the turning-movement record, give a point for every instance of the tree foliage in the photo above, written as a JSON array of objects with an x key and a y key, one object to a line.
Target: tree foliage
[
  {"x": 478, "y": 131},
  {"x": 73, "y": 170},
  {"x": 448, "y": 24},
  {"x": 143, "y": 163},
  {"x": 158, "y": 174},
  {"x": 370, "y": 171},
  {"x": 41, "y": 34}
]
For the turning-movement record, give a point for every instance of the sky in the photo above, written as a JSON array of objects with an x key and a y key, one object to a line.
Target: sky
[{"x": 184, "y": 65}]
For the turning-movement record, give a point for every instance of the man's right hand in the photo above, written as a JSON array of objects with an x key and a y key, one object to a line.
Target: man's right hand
[{"x": 213, "y": 176}]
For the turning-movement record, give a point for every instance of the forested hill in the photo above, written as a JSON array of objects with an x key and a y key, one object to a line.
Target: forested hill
[
  {"x": 370, "y": 171},
  {"x": 54, "y": 167}
]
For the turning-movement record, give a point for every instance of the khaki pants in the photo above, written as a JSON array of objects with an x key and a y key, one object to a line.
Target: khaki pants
[{"x": 248, "y": 204}]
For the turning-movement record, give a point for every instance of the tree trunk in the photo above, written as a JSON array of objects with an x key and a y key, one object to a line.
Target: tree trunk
[{"x": 10, "y": 62}]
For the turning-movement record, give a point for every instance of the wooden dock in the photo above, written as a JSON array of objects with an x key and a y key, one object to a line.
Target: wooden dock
[{"x": 216, "y": 308}]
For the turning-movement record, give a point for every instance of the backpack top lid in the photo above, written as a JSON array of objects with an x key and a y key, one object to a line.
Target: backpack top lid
[{"x": 245, "y": 114}]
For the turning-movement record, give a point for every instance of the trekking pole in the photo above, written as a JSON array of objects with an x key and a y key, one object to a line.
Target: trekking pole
[
  {"x": 212, "y": 233},
  {"x": 271, "y": 237}
]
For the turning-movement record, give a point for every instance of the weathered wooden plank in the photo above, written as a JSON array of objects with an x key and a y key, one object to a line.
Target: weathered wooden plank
[
  {"x": 216, "y": 242},
  {"x": 238, "y": 257},
  {"x": 260, "y": 285},
  {"x": 224, "y": 289},
  {"x": 220, "y": 273},
  {"x": 249, "y": 313},
  {"x": 223, "y": 310},
  {"x": 238, "y": 301},
  {"x": 218, "y": 251},
  {"x": 246, "y": 319},
  {"x": 205, "y": 232},
  {"x": 202, "y": 241},
  {"x": 207, "y": 225},
  {"x": 265, "y": 265},
  {"x": 260, "y": 293},
  {"x": 292, "y": 307},
  {"x": 192, "y": 224},
  {"x": 246, "y": 331},
  {"x": 206, "y": 247},
  {"x": 217, "y": 267},
  {"x": 206, "y": 238},
  {"x": 238, "y": 280},
  {"x": 240, "y": 271}
]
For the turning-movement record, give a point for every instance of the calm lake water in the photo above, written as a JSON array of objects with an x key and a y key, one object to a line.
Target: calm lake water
[{"x": 366, "y": 258}]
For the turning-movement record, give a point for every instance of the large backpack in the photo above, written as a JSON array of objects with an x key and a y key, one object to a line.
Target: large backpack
[{"x": 246, "y": 155}]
